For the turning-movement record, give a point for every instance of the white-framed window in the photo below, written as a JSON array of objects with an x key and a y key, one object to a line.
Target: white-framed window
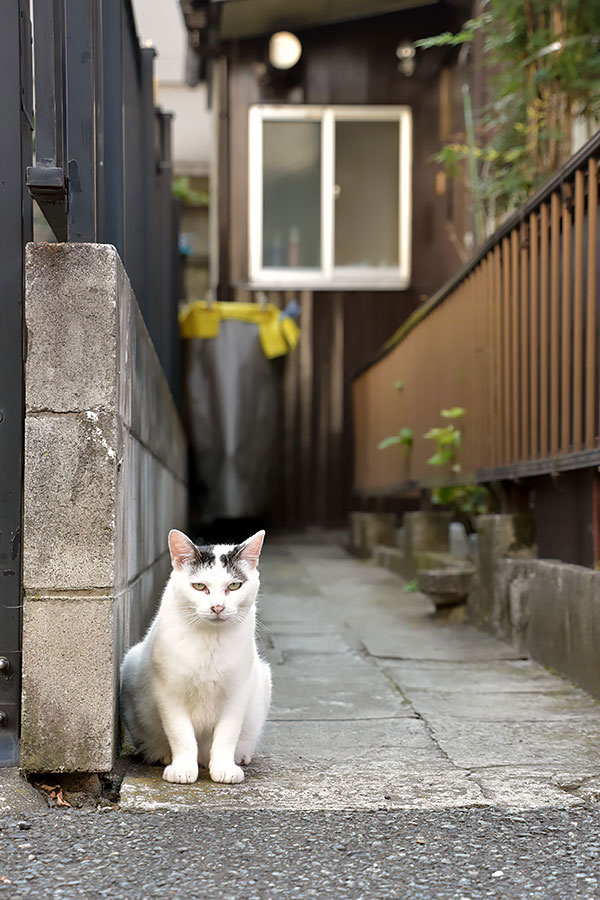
[{"x": 330, "y": 196}]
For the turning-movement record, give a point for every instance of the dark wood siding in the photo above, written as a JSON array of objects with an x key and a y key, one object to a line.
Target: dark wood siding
[{"x": 353, "y": 63}]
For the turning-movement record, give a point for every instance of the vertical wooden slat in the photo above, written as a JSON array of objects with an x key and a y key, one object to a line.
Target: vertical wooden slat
[
  {"x": 506, "y": 351},
  {"x": 490, "y": 361},
  {"x": 524, "y": 341},
  {"x": 566, "y": 334},
  {"x": 554, "y": 325},
  {"x": 497, "y": 375},
  {"x": 514, "y": 305},
  {"x": 534, "y": 343},
  {"x": 578, "y": 313},
  {"x": 591, "y": 391},
  {"x": 544, "y": 334}
]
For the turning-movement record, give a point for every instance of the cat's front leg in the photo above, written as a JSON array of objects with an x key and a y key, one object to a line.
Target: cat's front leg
[
  {"x": 179, "y": 730},
  {"x": 222, "y": 765}
]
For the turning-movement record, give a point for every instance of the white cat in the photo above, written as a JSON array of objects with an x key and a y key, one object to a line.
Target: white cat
[{"x": 194, "y": 690}]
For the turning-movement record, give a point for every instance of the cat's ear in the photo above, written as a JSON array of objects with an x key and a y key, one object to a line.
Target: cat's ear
[
  {"x": 250, "y": 550},
  {"x": 182, "y": 549}
]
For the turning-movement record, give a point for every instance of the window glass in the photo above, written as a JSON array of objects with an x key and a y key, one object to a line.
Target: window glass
[
  {"x": 291, "y": 194},
  {"x": 366, "y": 191}
]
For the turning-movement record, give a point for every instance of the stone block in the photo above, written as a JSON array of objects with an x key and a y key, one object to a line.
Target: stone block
[
  {"x": 427, "y": 530},
  {"x": 69, "y": 685},
  {"x": 446, "y": 587},
  {"x": 391, "y": 558},
  {"x": 499, "y": 536},
  {"x": 71, "y": 318},
  {"x": 368, "y": 530},
  {"x": 69, "y": 497}
]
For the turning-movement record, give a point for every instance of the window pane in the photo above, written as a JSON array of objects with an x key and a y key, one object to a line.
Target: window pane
[
  {"x": 366, "y": 208},
  {"x": 292, "y": 194}
]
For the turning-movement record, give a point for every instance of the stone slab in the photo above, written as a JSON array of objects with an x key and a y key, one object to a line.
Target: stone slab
[
  {"x": 440, "y": 641},
  {"x": 567, "y": 745},
  {"x": 331, "y": 788},
  {"x": 526, "y": 791},
  {"x": 508, "y": 676},
  {"x": 500, "y": 706},
  {"x": 334, "y": 687}
]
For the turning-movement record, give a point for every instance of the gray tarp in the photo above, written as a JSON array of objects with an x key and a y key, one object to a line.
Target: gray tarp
[{"x": 231, "y": 399}]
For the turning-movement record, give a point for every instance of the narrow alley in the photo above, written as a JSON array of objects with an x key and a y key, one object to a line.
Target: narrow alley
[{"x": 377, "y": 705}]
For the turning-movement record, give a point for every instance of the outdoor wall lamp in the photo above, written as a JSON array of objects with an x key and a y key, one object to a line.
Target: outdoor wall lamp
[
  {"x": 405, "y": 52},
  {"x": 284, "y": 50}
]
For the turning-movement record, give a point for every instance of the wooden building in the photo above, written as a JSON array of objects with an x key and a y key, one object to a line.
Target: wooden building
[{"x": 325, "y": 190}]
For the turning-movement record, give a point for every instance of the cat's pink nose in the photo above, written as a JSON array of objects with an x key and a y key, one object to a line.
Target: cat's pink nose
[{"x": 217, "y": 609}]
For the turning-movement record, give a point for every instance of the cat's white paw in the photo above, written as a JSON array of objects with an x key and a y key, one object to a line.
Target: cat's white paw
[
  {"x": 226, "y": 774},
  {"x": 181, "y": 773},
  {"x": 243, "y": 755}
]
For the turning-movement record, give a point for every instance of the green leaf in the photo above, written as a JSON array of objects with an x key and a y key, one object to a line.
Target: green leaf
[
  {"x": 410, "y": 587},
  {"x": 455, "y": 412},
  {"x": 392, "y": 441},
  {"x": 441, "y": 458}
]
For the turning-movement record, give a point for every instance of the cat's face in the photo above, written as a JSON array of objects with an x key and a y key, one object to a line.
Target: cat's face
[{"x": 215, "y": 584}]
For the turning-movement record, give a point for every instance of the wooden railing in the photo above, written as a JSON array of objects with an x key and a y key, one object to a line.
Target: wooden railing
[{"x": 513, "y": 339}]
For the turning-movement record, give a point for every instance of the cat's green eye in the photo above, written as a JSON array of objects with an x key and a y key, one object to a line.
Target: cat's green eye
[
  {"x": 199, "y": 586},
  {"x": 235, "y": 586}
]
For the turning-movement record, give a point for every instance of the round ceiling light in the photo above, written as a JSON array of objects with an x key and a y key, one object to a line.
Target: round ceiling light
[{"x": 284, "y": 50}]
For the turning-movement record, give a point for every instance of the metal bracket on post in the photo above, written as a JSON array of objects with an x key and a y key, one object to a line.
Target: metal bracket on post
[{"x": 46, "y": 181}]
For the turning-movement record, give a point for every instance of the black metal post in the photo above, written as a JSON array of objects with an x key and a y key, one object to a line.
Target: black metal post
[
  {"x": 81, "y": 27},
  {"x": 111, "y": 185},
  {"x": 151, "y": 295},
  {"x": 167, "y": 311},
  {"x": 16, "y": 114},
  {"x": 46, "y": 180}
]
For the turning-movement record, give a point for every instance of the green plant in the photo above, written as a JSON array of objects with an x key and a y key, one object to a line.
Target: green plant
[
  {"x": 543, "y": 70},
  {"x": 404, "y": 438},
  {"x": 181, "y": 187},
  {"x": 411, "y": 587},
  {"x": 465, "y": 501},
  {"x": 447, "y": 440}
]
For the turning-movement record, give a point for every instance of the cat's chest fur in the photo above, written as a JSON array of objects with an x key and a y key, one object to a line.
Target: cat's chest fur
[{"x": 204, "y": 671}]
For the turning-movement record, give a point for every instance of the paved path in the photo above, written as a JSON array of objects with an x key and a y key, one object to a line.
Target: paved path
[
  {"x": 404, "y": 758},
  {"x": 378, "y": 706}
]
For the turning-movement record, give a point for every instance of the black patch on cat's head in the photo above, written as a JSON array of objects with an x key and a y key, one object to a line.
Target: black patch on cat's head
[
  {"x": 204, "y": 557},
  {"x": 231, "y": 562}
]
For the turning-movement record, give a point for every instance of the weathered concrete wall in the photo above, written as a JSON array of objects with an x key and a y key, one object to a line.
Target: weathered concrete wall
[
  {"x": 499, "y": 536},
  {"x": 105, "y": 479},
  {"x": 549, "y": 610},
  {"x": 369, "y": 530}
]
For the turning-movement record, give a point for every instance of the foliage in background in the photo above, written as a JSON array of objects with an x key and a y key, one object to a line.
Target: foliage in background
[
  {"x": 181, "y": 187},
  {"x": 542, "y": 59},
  {"x": 447, "y": 440},
  {"x": 465, "y": 501}
]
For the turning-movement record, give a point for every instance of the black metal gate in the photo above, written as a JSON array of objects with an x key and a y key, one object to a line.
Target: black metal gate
[
  {"x": 102, "y": 173},
  {"x": 16, "y": 115}
]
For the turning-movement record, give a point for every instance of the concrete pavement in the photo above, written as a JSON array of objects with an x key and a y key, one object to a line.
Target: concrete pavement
[{"x": 379, "y": 706}]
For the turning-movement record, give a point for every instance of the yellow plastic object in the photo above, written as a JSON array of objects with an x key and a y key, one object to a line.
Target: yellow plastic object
[{"x": 277, "y": 336}]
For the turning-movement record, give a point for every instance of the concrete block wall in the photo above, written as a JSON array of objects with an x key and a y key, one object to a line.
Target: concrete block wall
[
  {"x": 548, "y": 609},
  {"x": 104, "y": 481}
]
